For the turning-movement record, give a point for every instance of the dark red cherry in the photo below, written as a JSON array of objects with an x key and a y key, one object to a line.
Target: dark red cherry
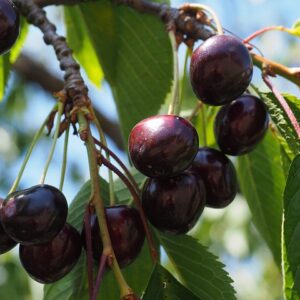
[
  {"x": 240, "y": 125},
  {"x": 174, "y": 205},
  {"x": 34, "y": 215},
  {"x": 126, "y": 232},
  {"x": 6, "y": 243},
  {"x": 218, "y": 175},
  {"x": 163, "y": 146},
  {"x": 221, "y": 70},
  {"x": 51, "y": 261},
  {"x": 9, "y": 25}
]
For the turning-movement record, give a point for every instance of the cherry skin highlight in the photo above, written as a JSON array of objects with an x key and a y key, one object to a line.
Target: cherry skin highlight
[
  {"x": 174, "y": 205},
  {"x": 126, "y": 232},
  {"x": 6, "y": 242},
  {"x": 163, "y": 146},
  {"x": 221, "y": 70},
  {"x": 241, "y": 125},
  {"x": 9, "y": 25},
  {"x": 34, "y": 215},
  {"x": 218, "y": 175},
  {"x": 51, "y": 261}
]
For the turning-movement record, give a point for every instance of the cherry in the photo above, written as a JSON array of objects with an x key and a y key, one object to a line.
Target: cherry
[
  {"x": 9, "y": 25},
  {"x": 218, "y": 175},
  {"x": 126, "y": 232},
  {"x": 221, "y": 69},
  {"x": 49, "y": 262},
  {"x": 163, "y": 146},
  {"x": 6, "y": 243},
  {"x": 240, "y": 125},
  {"x": 34, "y": 215},
  {"x": 174, "y": 205}
]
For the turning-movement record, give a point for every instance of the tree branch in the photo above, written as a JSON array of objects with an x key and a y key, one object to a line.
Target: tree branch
[
  {"x": 32, "y": 71},
  {"x": 291, "y": 74},
  {"x": 188, "y": 24}
]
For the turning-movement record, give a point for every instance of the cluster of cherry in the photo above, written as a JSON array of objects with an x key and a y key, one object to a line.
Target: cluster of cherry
[
  {"x": 183, "y": 178},
  {"x": 36, "y": 218}
]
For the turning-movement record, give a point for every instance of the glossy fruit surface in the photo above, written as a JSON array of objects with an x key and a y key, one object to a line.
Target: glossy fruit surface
[
  {"x": 6, "y": 243},
  {"x": 218, "y": 175},
  {"x": 49, "y": 262},
  {"x": 221, "y": 70},
  {"x": 126, "y": 232},
  {"x": 240, "y": 125},
  {"x": 174, "y": 205},
  {"x": 9, "y": 25},
  {"x": 34, "y": 215},
  {"x": 163, "y": 146}
]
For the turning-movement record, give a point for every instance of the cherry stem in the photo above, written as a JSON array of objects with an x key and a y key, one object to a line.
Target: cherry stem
[
  {"x": 195, "y": 111},
  {"x": 203, "y": 124},
  {"x": 283, "y": 104},
  {"x": 65, "y": 158},
  {"x": 184, "y": 77},
  {"x": 112, "y": 198},
  {"x": 100, "y": 274},
  {"x": 89, "y": 251},
  {"x": 137, "y": 201},
  {"x": 36, "y": 137},
  {"x": 174, "y": 107},
  {"x": 85, "y": 131},
  {"x": 56, "y": 133},
  {"x": 261, "y": 31},
  {"x": 122, "y": 165}
]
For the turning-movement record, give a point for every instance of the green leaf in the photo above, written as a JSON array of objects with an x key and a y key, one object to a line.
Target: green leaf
[
  {"x": 291, "y": 233},
  {"x": 163, "y": 285},
  {"x": 291, "y": 142},
  {"x": 295, "y": 30},
  {"x": 80, "y": 42},
  {"x": 121, "y": 189},
  {"x": 16, "y": 49},
  {"x": 9, "y": 58},
  {"x": 197, "y": 268},
  {"x": 285, "y": 160},
  {"x": 136, "y": 57},
  {"x": 262, "y": 182}
]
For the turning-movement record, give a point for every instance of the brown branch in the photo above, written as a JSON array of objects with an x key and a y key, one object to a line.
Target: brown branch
[
  {"x": 291, "y": 74},
  {"x": 35, "y": 72},
  {"x": 74, "y": 85},
  {"x": 188, "y": 24}
]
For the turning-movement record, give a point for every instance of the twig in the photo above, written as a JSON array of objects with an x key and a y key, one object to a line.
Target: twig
[
  {"x": 99, "y": 206},
  {"x": 291, "y": 74},
  {"x": 100, "y": 274},
  {"x": 89, "y": 252},
  {"x": 74, "y": 85}
]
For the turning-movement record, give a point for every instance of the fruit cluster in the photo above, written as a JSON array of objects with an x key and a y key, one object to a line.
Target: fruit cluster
[
  {"x": 49, "y": 247},
  {"x": 183, "y": 178},
  {"x": 36, "y": 219}
]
